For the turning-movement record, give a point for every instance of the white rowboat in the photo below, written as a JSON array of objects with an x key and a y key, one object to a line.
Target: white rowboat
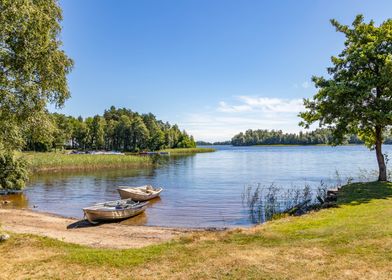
[
  {"x": 114, "y": 210},
  {"x": 142, "y": 193}
]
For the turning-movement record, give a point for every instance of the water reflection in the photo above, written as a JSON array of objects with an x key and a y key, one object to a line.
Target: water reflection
[
  {"x": 201, "y": 190},
  {"x": 19, "y": 200}
]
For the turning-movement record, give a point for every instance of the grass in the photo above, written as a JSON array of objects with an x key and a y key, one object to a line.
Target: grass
[
  {"x": 183, "y": 151},
  {"x": 352, "y": 241},
  {"x": 39, "y": 162},
  {"x": 60, "y": 161}
]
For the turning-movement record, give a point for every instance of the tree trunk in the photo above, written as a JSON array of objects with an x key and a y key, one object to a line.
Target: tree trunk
[{"x": 382, "y": 169}]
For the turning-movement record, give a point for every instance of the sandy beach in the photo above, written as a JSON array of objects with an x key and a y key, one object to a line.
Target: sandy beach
[{"x": 113, "y": 235}]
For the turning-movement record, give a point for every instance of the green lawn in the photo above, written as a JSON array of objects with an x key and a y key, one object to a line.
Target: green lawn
[{"x": 352, "y": 241}]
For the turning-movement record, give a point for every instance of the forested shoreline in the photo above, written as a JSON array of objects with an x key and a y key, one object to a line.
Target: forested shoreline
[
  {"x": 278, "y": 137},
  {"x": 117, "y": 129},
  {"x": 321, "y": 136}
]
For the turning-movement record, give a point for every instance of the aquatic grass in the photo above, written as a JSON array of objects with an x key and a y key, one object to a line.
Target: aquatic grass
[
  {"x": 39, "y": 162},
  {"x": 182, "y": 151},
  {"x": 264, "y": 203}
]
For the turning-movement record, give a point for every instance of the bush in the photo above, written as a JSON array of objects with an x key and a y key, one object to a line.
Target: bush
[{"x": 13, "y": 171}]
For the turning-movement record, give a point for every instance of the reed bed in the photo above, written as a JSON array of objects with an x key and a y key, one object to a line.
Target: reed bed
[
  {"x": 40, "y": 162},
  {"x": 183, "y": 151}
]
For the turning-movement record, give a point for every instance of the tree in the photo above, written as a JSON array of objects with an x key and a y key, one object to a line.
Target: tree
[
  {"x": 357, "y": 97},
  {"x": 96, "y": 127},
  {"x": 139, "y": 134},
  {"x": 40, "y": 137},
  {"x": 63, "y": 132},
  {"x": 33, "y": 69},
  {"x": 13, "y": 172},
  {"x": 123, "y": 133},
  {"x": 80, "y": 133},
  {"x": 157, "y": 138}
]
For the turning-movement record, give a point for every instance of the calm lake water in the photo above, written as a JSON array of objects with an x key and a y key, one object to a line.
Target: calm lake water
[{"x": 202, "y": 190}]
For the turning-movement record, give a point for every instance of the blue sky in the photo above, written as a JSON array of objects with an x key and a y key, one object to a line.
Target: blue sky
[{"x": 215, "y": 67}]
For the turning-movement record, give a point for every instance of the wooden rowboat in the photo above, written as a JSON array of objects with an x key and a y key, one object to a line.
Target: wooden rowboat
[
  {"x": 142, "y": 193},
  {"x": 114, "y": 210}
]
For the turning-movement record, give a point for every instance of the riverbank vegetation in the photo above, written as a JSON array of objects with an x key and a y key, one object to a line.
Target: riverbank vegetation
[
  {"x": 185, "y": 151},
  {"x": 117, "y": 129},
  {"x": 33, "y": 74},
  {"x": 63, "y": 161},
  {"x": 40, "y": 162},
  {"x": 278, "y": 137},
  {"x": 321, "y": 136},
  {"x": 350, "y": 241}
]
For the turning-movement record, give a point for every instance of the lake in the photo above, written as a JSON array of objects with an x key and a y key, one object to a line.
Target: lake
[{"x": 201, "y": 190}]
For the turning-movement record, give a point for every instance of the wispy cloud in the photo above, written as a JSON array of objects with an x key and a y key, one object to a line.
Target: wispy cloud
[
  {"x": 265, "y": 104},
  {"x": 224, "y": 107},
  {"x": 241, "y": 113}
]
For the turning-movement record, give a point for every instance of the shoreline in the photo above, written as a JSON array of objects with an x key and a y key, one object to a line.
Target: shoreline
[
  {"x": 349, "y": 241},
  {"x": 42, "y": 162},
  {"x": 71, "y": 230}
]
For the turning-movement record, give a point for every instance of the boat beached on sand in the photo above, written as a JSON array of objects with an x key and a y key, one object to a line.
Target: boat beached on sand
[
  {"x": 142, "y": 193},
  {"x": 114, "y": 210}
]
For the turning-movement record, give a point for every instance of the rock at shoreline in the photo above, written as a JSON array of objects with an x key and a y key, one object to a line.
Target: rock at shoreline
[{"x": 4, "y": 237}]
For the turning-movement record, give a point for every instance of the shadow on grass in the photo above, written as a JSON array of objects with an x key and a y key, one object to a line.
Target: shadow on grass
[{"x": 358, "y": 193}]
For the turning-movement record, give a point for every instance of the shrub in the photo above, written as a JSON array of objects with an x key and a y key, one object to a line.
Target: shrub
[{"x": 13, "y": 171}]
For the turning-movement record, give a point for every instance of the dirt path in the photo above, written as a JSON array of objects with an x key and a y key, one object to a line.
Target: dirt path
[{"x": 71, "y": 230}]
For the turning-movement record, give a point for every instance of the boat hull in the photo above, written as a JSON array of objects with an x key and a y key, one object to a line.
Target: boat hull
[
  {"x": 95, "y": 216},
  {"x": 126, "y": 194}
]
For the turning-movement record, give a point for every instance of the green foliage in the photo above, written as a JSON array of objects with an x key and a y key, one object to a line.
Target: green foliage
[
  {"x": 13, "y": 171},
  {"x": 61, "y": 161},
  {"x": 117, "y": 129},
  {"x": 33, "y": 68},
  {"x": 277, "y": 137},
  {"x": 184, "y": 151},
  {"x": 96, "y": 132},
  {"x": 356, "y": 98}
]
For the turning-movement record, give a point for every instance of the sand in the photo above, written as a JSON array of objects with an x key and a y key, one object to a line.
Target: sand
[{"x": 109, "y": 235}]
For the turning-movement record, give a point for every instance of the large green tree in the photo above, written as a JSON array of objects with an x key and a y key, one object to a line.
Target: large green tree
[
  {"x": 357, "y": 95},
  {"x": 33, "y": 67}
]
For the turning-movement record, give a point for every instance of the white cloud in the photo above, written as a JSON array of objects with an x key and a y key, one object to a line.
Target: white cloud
[
  {"x": 242, "y": 113},
  {"x": 224, "y": 107},
  {"x": 265, "y": 104}
]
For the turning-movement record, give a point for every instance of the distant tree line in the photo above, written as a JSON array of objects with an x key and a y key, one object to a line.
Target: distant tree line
[
  {"x": 205, "y": 143},
  {"x": 117, "y": 129},
  {"x": 277, "y": 137}
]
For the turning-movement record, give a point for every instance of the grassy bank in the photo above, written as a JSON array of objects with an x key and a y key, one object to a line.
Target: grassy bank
[
  {"x": 352, "y": 241},
  {"x": 184, "y": 151},
  {"x": 60, "y": 161},
  {"x": 40, "y": 162}
]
